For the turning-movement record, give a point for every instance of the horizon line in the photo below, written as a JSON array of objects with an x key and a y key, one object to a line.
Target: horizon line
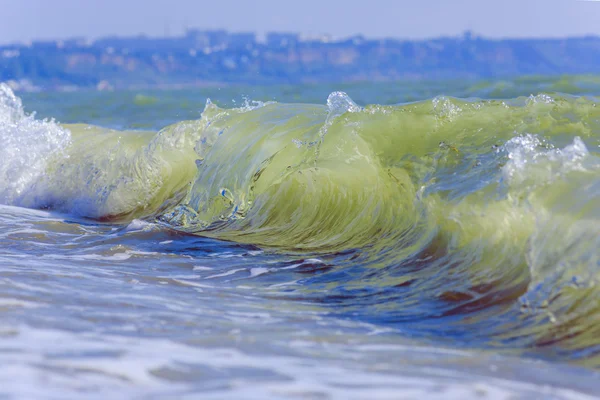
[{"x": 259, "y": 36}]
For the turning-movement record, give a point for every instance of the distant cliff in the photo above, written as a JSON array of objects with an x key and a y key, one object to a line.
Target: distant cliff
[{"x": 218, "y": 57}]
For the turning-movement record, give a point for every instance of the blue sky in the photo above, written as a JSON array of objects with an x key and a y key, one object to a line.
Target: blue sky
[{"x": 23, "y": 20}]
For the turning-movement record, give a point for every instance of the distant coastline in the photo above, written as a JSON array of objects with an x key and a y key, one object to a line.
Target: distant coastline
[{"x": 218, "y": 58}]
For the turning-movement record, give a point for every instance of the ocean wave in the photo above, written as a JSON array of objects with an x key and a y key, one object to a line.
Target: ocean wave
[{"x": 439, "y": 208}]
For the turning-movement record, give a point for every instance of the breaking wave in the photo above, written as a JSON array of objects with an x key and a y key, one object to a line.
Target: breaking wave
[{"x": 476, "y": 220}]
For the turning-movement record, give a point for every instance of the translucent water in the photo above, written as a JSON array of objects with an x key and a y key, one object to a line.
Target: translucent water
[{"x": 443, "y": 248}]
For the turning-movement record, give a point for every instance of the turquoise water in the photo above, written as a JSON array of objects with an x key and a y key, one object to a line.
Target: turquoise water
[{"x": 434, "y": 239}]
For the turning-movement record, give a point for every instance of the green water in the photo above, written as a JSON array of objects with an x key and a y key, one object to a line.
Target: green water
[{"x": 458, "y": 215}]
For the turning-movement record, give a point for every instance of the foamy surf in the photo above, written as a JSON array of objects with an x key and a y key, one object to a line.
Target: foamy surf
[{"x": 467, "y": 229}]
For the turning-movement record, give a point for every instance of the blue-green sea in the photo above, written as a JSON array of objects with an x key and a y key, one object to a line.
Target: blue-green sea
[{"x": 406, "y": 240}]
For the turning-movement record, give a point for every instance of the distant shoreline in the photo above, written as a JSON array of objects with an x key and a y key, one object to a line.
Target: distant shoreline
[{"x": 220, "y": 58}]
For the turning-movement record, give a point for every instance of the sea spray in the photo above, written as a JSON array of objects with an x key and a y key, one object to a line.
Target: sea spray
[{"x": 471, "y": 221}]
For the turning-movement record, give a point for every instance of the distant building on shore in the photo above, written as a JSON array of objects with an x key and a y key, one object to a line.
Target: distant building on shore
[{"x": 217, "y": 56}]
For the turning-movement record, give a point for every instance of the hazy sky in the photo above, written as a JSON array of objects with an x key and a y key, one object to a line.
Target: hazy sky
[{"x": 22, "y": 20}]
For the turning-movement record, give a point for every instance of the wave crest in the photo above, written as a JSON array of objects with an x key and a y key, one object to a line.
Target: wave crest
[{"x": 464, "y": 206}]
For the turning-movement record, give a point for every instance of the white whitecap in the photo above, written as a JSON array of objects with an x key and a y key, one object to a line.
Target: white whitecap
[{"x": 26, "y": 146}]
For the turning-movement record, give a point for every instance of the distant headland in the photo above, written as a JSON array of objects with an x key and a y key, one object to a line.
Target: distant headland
[{"x": 217, "y": 57}]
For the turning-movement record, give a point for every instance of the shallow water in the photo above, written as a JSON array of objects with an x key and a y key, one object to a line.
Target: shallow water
[{"x": 327, "y": 248}]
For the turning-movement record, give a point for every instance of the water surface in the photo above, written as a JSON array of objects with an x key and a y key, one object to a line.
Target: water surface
[{"x": 440, "y": 242}]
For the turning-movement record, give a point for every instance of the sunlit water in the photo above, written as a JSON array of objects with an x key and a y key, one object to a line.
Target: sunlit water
[{"x": 312, "y": 247}]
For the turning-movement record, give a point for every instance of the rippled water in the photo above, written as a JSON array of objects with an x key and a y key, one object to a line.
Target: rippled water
[{"x": 444, "y": 248}]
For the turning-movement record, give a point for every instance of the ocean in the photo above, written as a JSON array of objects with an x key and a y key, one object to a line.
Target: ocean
[{"x": 435, "y": 240}]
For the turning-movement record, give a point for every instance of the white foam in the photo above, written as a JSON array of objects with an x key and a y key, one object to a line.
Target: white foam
[
  {"x": 109, "y": 366},
  {"x": 258, "y": 271},
  {"x": 443, "y": 107},
  {"x": 532, "y": 158},
  {"x": 26, "y": 146}
]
